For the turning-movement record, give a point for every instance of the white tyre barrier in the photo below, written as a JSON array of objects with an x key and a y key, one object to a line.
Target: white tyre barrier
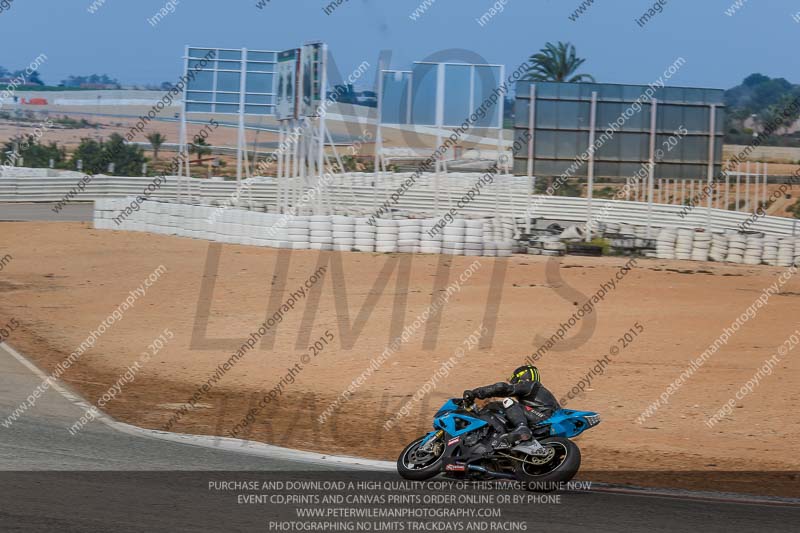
[
  {"x": 473, "y": 237},
  {"x": 430, "y": 237},
  {"x": 770, "y": 255},
  {"x": 797, "y": 251},
  {"x": 701, "y": 246},
  {"x": 298, "y": 233},
  {"x": 364, "y": 236},
  {"x": 408, "y": 235},
  {"x": 754, "y": 250},
  {"x": 386, "y": 232},
  {"x": 736, "y": 247},
  {"x": 665, "y": 244},
  {"x": 453, "y": 237},
  {"x": 684, "y": 244},
  {"x": 786, "y": 252},
  {"x": 719, "y": 247},
  {"x": 489, "y": 237}
]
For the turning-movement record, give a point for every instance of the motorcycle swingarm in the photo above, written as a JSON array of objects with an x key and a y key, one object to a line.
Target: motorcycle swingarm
[{"x": 531, "y": 448}]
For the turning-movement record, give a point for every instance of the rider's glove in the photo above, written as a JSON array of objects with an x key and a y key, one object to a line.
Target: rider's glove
[{"x": 469, "y": 397}]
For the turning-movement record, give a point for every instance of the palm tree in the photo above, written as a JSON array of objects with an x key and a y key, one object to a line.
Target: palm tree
[
  {"x": 557, "y": 62},
  {"x": 156, "y": 140},
  {"x": 199, "y": 147}
]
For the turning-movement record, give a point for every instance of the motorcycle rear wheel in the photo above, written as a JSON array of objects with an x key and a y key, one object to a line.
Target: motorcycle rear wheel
[
  {"x": 428, "y": 469},
  {"x": 564, "y": 464}
]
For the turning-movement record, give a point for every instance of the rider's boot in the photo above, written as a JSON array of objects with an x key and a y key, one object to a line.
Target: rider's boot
[{"x": 521, "y": 434}]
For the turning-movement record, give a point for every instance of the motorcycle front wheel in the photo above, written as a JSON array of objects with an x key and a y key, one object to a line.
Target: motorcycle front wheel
[{"x": 416, "y": 464}]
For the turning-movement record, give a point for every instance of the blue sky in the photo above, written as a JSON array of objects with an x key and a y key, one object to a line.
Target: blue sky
[{"x": 719, "y": 49}]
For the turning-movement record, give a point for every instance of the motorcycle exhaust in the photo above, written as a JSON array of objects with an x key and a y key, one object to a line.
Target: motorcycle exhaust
[{"x": 483, "y": 470}]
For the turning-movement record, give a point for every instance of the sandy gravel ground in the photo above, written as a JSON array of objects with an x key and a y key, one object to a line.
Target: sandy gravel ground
[{"x": 63, "y": 280}]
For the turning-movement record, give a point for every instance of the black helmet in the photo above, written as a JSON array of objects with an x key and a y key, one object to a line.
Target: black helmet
[{"x": 524, "y": 373}]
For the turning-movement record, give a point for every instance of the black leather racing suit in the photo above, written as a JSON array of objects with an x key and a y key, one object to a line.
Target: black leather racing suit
[{"x": 536, "y": 403}]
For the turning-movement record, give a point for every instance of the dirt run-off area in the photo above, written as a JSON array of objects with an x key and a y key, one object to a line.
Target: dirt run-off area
[{"x": 64, "y": 279}]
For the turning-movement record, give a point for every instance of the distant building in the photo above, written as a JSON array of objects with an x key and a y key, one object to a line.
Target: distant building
[{"x": 15, "y": 81}]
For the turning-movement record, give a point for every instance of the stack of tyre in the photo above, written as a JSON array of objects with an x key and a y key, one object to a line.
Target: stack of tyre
[
  {"x": 665, "y": 243},
  {"x": 489, "y": 240},
  {"x": 277, "y": 234},
  {"x": 473, "y": 237},
  {"x": 737, "y": 243},
  {"x": 223, "y": 225},
  {"x": 386, "y": 235},
  {"x": 754, "y": 249},
  {"x": 552, "y": 246},
  {"x": 343, "y": 233},
  {"x": 364, "y": 235},
  {"x": 797, "y": 251},
  {"x": 701, "y": 246},
  {"x": 298, "y": 233},
  {"x": 498, "y": 237},
  {"x": 174, "y": 221},
  {"x": 770, "y": 254},
  {"x": 786, "y": 252},
  {"x": 430, "y": 244},
  {"x": 719, "y": 247},
  {"x": 408, "y": 235},
  {"x": 320, "y": 232},
  {"x": 684, "y": 244},
  {"x": 453, "y": 237}
]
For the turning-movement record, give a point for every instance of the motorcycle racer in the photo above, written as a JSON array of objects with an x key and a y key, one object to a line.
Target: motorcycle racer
[{"x": 526, "y": 401}]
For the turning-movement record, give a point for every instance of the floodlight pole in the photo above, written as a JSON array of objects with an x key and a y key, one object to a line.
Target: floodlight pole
[
  {"x": 500, "y": 138},
  {"x": 738, "y": 187},
  {"x": 378, "y": 129},
  {"x": 757, "y": 186},
  {"x": 747, "y": 202},
  {"x": 296, "y": 157},
  {"x": 279, "y": 173},
  {"x": 766, "y": 183},
  {"x": 652, "y": 170},
  {"x": 590, "y": 194},
  {"x": 727, "y": 191},
  {"x": 323, "y": 98},
  {"x": 439, "y": 125},
  {"x": 710, "y": 178},
  {"x": 241, "y": 139},
  {"x": 182, "y": 160},
  {"x": 531, "y": 134}
]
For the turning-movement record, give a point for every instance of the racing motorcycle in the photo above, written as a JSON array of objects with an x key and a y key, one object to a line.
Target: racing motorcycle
[{"x": 467, "y": 443}]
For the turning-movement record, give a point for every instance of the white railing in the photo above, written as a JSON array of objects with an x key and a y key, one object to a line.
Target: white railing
[{"x": 356, "y": 193}]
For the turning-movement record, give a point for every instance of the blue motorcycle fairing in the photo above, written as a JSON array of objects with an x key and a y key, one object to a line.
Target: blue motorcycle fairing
[
  {"x": 568, "y": 423},
  {"x": 449, "y": 423},
  {"x": 448, "y": 419},
  {"x": 448, "y": 407}
]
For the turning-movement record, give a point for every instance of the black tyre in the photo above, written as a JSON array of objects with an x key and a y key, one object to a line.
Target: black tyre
[
  {"x": 559, "y": 466},
  {"x": 417, "y": 465}
]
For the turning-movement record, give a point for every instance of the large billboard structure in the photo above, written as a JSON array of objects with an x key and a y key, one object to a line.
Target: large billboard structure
[
  {"x": 563, "y": 112},
  {"x": 584, "y": 130},
  {"x": 286, "y": 91},
  {"x": 440, "y": 95},
  {"x": 234, "y": 82},
  {"x": 289, "y": 85}
]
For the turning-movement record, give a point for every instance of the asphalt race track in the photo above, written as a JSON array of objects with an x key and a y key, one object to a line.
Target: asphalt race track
[
  {"x": 22, "y": 212},
  {"x": 108, "y": 479}
]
